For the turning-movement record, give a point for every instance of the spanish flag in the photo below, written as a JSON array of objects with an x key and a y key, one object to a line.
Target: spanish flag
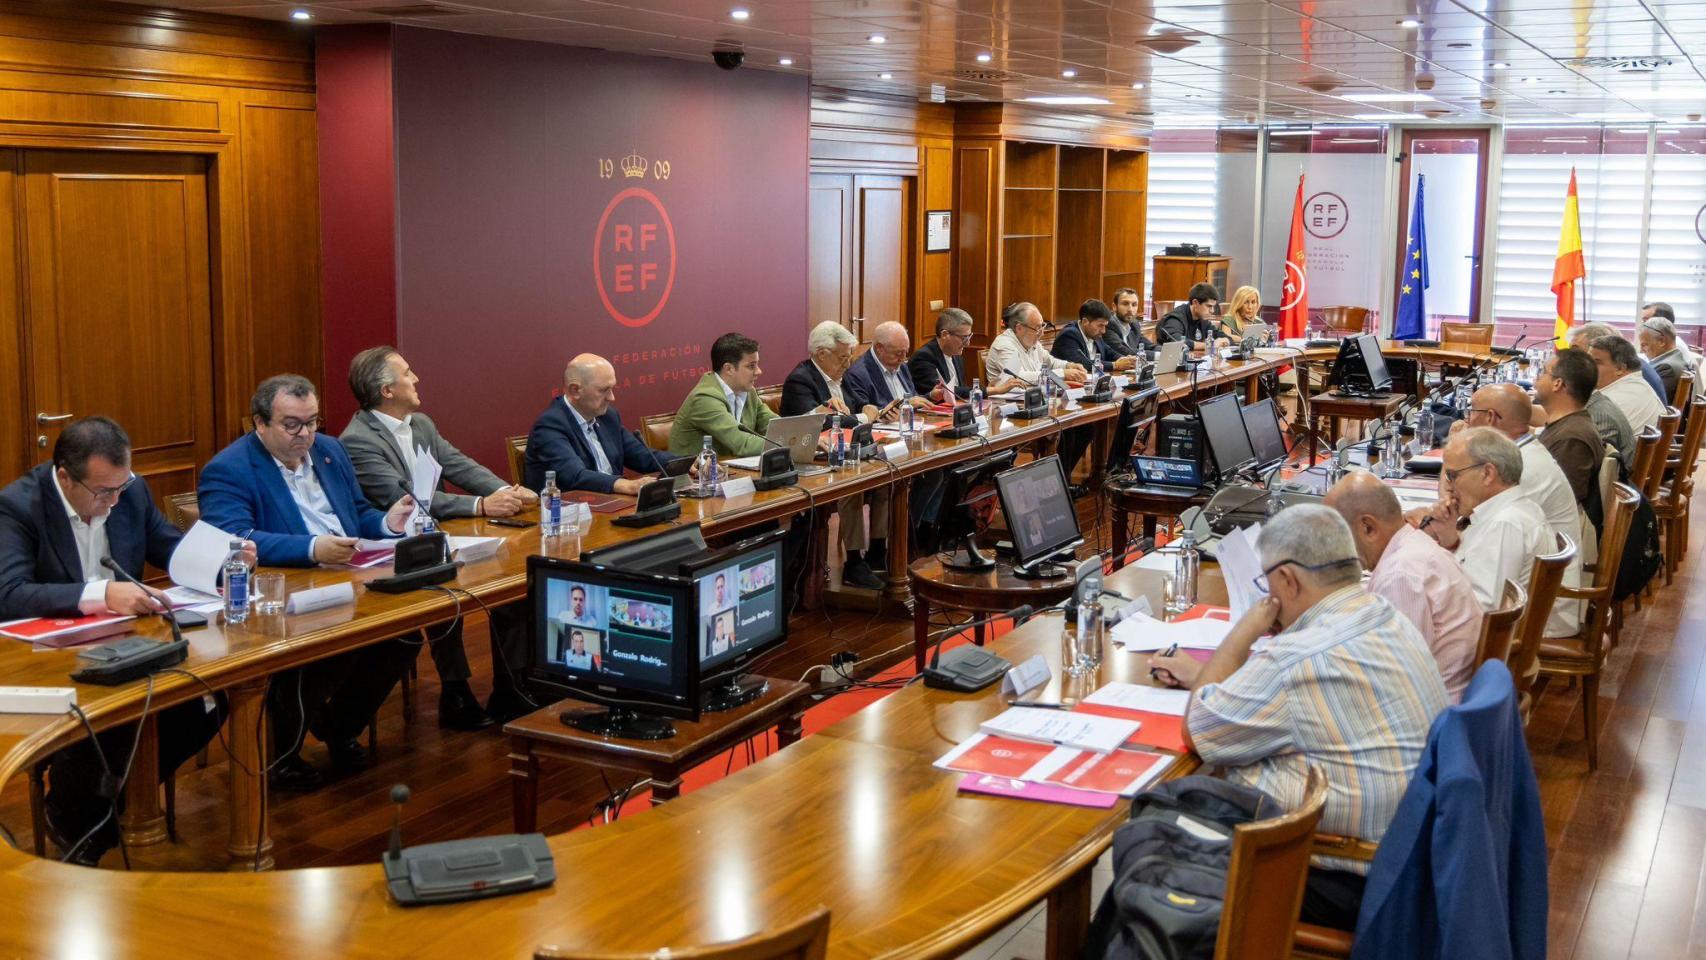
[{"x": 1569, "y": 267}]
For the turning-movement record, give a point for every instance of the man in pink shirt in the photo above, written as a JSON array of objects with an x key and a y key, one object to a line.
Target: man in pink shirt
[{"x": 1414, "y": 574}]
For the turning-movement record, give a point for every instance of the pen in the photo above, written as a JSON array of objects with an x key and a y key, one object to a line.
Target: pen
[
  {"x": 1039, "y": 704},
  {"x": 1156, "y": 672}
]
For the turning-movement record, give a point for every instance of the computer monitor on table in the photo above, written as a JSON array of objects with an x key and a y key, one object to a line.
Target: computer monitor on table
[
  {"x": 964, "y": 487},
  {"x": 1223, "y": 429},
  {"x": 1040, "y": 516},
  {"x": 1360, "y": 368},
  {"x": 740, "y": 616},
  {"x": 1134, "y": 411},
  {"x": 622, "y": 638},
  {"x": 1261, "y": 422}
]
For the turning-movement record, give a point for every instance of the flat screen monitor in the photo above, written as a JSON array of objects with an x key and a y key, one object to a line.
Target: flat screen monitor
[
  {"x": 1261, "y": 422},
  {"x": 964, "y": 487},
  {"x": 738, "y": 595},
  {"x": 1374, "y": 363},
  {"x": 1039, "y": 511},
  {"x": 1134, "y": 410},
  {"x": 1223, "y": 427},
  {"x": 657, "y": 553},
  {"x": 623, "y": 638}
]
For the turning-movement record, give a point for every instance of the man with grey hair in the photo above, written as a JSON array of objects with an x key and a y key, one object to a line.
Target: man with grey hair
[
  {"x": 1582, "y": 337},
  {"x": 938, "y": 368},
  {"x": 580, "y": 435},
  {"x": 1657, "y": 337},
  {"x": 1505, "y": 407},
  {"x": 880, "y": 381},
  {"x": 1621, "y": 380},
  {"x": 383, "y": 440},
  {"x": 1345, "y": 684},
  {"x": 1018, "y": 353},
  {"x": 1607, "y": 418}
]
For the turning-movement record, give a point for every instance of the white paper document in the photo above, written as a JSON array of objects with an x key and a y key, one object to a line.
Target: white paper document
[
  {"x": 472, "y": 549},
  {"x": 1062, "y": 728},
  {"x": 200, "y": 557},
  {"x": 1240, "y": 566},
  {"x": 423, "y": 479},
  {"x": 1141, "y": 634},
  {"x": 1136, "y": 696}
]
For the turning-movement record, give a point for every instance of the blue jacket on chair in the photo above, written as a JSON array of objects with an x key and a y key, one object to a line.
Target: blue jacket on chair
[
  {"x": 242, "y": 489},
  {"x": 1461, "y": 871}
]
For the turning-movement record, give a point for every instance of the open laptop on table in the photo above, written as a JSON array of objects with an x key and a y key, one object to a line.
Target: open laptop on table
[{"x": 799, "y": 434}]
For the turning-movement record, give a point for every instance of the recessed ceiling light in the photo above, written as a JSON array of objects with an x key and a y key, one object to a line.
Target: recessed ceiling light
[
  {"x": 1137, "y": 86},
  {"x": 1388, "y": 116},
  {"x": 1069, "y": 74},
  {"x": 1073, "y": 101},
  {"x": 786, "y": 61},
  {"x": 983, "y": 58},
  {"x": 877, "y": 38},
  {"x": 885, "y": 76},
  {"x": 301, "y": 15},
  {"x": 740, "y": 13},
  {"x": 1384, "y": 97},
  {"x": 1500, "y": 65},
  {"x": 1409, "y": 23}
]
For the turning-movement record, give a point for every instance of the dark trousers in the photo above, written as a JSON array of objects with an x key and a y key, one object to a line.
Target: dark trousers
[
  {"x": 1073, "y": 443},
  {"x": 76, "y": 800},
  {"x": 510, "y": 653},
  {"x": 336, "y": 698},
  {"x": 1332, "y": 898}
]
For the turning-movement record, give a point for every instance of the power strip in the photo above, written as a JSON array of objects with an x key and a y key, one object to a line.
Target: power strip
[{"x": 37, "y": 699}]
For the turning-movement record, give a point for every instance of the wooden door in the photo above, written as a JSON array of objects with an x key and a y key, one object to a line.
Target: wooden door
[
  {"x": 883, "y": 241},
  {"x": 829, "y": 248},
  {"x": 117, "y": 305},
  {"x": 859, "y": 249}
]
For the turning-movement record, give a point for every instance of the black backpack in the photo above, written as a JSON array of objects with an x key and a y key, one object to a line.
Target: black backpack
[
  {"x": 1642, "y": 557},
  {"x": 1170, "y": 866}
]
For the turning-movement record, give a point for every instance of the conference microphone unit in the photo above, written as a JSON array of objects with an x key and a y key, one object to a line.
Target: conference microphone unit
[
  {"x": 971, "y": 668},
  {"x": 459, "y": 870},
  {"x": 121, "y": 661},
  {"x": 775, "y": 465}
]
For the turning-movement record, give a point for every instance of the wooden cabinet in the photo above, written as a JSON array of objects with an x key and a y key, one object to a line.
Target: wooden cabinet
[{"x": 1174, "y": 276}]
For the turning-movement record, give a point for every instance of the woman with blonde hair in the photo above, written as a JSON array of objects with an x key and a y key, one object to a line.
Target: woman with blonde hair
[{"x": 1245, "y": 307}]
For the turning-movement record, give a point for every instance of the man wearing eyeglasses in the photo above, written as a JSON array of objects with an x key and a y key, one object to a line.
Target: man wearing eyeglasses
[
  {"x": 1345, "y": 683},
  {"x": 296, "y": 489},
  {"x": 1657, "y": 337},
  {"x": 57, "y": 523},
  {"x": 1018, "y": 353},
  {"x": 938, "y": 367},
  {"x": 1505, "y": 407}
]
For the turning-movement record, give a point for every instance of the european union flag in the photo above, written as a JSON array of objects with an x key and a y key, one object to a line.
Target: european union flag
[{"x": 1413, "y": 275}]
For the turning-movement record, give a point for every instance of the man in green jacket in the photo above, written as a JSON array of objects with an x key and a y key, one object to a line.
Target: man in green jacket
[{"x": 724, "y": 404}]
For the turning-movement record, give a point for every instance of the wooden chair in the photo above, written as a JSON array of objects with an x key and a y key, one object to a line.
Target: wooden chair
[
  {"x": 516, "y": 447},
  {"x": 655, "y": 429},
  {"x": 806, "y": 939},
  {"x": 1343, "y": 321},
  {"x": 1499, "y": 626},
  {"x": 1672, "y": 504},
  {"x": 183, "y": 510},
  {"x": 1264, "y": 882},
  {"x": 1583, "y": 655},
  {"x": 1466, "y": 334},
  {"x": 1652, "y": 468},
  {"x": 1683, "y": 396},
  {"x": 1545, "y": 581}
]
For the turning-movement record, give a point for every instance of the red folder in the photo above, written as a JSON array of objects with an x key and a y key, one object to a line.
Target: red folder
[{"x": 66, "y": 631}]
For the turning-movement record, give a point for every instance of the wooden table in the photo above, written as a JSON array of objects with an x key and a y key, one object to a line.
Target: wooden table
[
  {"x": 1147, "y": 503},
  {"x": 542, "y": 734},
  {"x": 994, "y": 590},
  {"x": 1335, "y": 408}
]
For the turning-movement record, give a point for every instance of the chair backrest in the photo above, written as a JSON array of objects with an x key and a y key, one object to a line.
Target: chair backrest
[
  {"x": 1647, "y": 456},
  {"x": 1656, "y": 463},
  {"x": 1499, "y": 626},
  {"x": 1683, "y": 395},
  {"x": 1619, "y": 517},
  {"x": 1466, "y": 334},
  {"x": 656, "y": 428},
  {"x": 805, "y": 939},
  {"x": 517, "y": 449},
  {"x": 1689, "y": 454},
  {"x": 183, "y": 510},
  {"x": 1264, "y": 881},
  {"x": 772, "y": 397},
  {"x": 1343, "y": 320},
  {"x": 1544, "y": 581}
]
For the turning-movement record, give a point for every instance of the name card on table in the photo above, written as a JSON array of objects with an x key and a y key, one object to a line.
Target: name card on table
[
  {"x": 319, "y": 598},
  {"x": 743, "y": 487},
  {"x": 1024, "y": 677},
  {"x": 893, "y": 451}
]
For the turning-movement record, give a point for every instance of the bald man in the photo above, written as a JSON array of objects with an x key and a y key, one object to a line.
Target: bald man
[
  {"x": 1414, "y": 574},
  {"x": 1506, "y": 408},
  {"x": 879, "y": 381},
  {"x": 580, "y": 435}
]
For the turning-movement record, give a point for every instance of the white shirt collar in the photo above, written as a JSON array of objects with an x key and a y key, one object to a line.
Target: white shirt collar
[
  {"x": 1497, "y": 503},
  {"x": 734, "y": 398},
  {"x": 392, "y": 423},
  {"x": 301, "y": 469},
  {"x": 583, "y": 421},
  {"x": 820, "y": 372}
]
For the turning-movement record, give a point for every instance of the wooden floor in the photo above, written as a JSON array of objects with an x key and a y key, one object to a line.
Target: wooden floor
[{"x": 1627, "y": 843}]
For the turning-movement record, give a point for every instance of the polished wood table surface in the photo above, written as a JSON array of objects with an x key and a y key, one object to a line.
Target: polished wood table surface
[
  {"x": 543, "y": 734},
  {"x": 994, "y": 590},
  {"x": 854, "y": 818},
  {"x": 1147, "y": 503}
]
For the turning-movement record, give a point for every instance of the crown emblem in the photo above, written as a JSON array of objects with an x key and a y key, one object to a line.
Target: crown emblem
[{"x": 634, "y": 165}]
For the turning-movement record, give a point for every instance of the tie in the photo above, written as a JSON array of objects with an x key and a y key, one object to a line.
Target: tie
[{"x": 598, "y": 456}]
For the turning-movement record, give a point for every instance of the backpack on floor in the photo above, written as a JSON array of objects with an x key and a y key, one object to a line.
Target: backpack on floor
[
  {"x": 1170, "y": 865},
  {"x": 1642, "y": 557}
]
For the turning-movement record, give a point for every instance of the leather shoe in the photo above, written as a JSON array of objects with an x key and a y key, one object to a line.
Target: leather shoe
[
  {"x": 293, "y": 773},
  {"x": 458, "y": 709},
  {"x": 347, "y": 756},
  {"x": 87, "y": 855},
  {"x": 506, "y": 704},
  {"x": 858, "y": 573}
]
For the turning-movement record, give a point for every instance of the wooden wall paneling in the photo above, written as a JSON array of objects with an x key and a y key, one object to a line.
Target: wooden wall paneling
[
  {"x": 829, "y": 249},
  {"x": 935, "y": 275},
  {"x": 1078, "y": 254},
  {"x": 280, "y": 190},
  {"x": 1011, "y": 121},
  {"x": 977, "y": 232},
  {"x": 884, "y": 234},
  {"x": 17, "y": 428}
]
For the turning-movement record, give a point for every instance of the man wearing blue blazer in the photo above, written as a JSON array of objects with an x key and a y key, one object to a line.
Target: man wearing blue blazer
[
  {"x": 57, "y": 523},
  {"x": 296, "y": 490},
  {"x": 580, "y": 435},
  {"x": 880, "y": 380}
]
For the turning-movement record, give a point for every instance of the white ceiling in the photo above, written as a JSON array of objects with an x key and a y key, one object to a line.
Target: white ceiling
[{"x": 1271, "y": 60}]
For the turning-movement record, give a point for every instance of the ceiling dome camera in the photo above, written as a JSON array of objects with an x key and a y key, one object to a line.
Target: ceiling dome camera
[{"x": 728, "y": 59}]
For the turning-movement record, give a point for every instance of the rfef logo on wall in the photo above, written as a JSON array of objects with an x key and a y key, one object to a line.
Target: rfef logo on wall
[
  {"x": 1325, "y": 215},
  {"x": 633, "y": 253}
]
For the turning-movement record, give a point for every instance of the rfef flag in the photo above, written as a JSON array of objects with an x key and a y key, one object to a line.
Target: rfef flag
[
  {"x": 1570, "y": 265},
  {"x": 1294, "y": 297},
  {"x": 1413, "y": 274}
]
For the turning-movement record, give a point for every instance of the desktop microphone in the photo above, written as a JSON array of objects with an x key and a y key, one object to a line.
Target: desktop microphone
[
  {"x": 746, "y": 429},
  {"x": 109, "y": 664},
  {"x": 969, "y": 669},
  {"x": 399, "y": 796},
  {"x": 165, "y": 604},
  {"x": 663, "y": 469}
]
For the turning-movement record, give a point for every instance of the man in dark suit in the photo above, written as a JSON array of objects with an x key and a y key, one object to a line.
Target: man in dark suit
[
  {"x": 56, "y": 524},
  {"x": 297, "y": 491},
  {"x": 580, "y": 435},
  {"x": 816, "y": 385},
  {"x": 382, "y": 441},
  {"x": 1076, "y": 341},
  {"x": 880, "y": 378},
  {"x": 1125, "y": 328},
  {"x": 939, "y": 367},
  {"x": 1192, "y": 320}
]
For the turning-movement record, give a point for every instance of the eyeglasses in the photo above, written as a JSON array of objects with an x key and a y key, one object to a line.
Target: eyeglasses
[
  {"x": 103, "y": 493},
  {"x": 1451, "y": 475},
  {"x": 958, "y": 336},
  {"x": 294, "y": 427},
  {"x": 1261, "y": 580},
  {"x": 1486, "y": 412},
  {"x": 1034, "y": 328}
]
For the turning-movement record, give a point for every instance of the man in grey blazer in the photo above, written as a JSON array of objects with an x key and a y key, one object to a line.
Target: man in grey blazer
[{"x": 382, "y": 440}]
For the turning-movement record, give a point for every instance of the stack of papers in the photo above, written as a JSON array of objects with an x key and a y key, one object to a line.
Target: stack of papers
[
  {"x": 472, "y": 549},
  {"x": 1042, "y": 768},
  {"x": 1140, "y": 633},
  {"x": 1061, "y": 728},
  {"x": 65, "y": 631},
  {"x": 1239, "y": 567}
]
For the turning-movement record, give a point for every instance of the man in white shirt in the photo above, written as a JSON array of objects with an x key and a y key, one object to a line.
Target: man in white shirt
[
  {"x": 1018, "y": 352},
  {"x": 1621, "y": 381}
]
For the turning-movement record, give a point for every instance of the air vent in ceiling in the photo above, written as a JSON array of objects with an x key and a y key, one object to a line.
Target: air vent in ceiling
[
  {"x": 412, "y": 10},
  {"x": 986, "y": 76},
  {"x": 1621, "y": 64}
]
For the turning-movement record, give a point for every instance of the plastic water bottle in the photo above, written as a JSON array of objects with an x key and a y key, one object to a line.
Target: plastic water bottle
[
  {"x": 1392, "y": 454},
  {"x": 550, "y": 507},
  {"x": 236, "y": 585},
  {"x": 907, "y": 423},
  {"x": 1095, "y": 367},
  {"x": 1089, "y": 632},
  {"x": 1425, "y": 429},
  {"x": 1335, "y": 469},
  {"x": 837, "y": 443},
  {"x": 976, "y": 397},
  {"x": 707, "y": 466},
  {"x": 1185, "y": 569}
]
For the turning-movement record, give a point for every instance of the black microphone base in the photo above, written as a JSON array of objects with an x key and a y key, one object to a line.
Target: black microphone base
[
  {"x": 777, "y": 481},
  {"x": 647, "y": 518},
  {"x": 125, "y": 660},
  {"x": 415, "y": 580},
  {"x": 965, "y": 670}
]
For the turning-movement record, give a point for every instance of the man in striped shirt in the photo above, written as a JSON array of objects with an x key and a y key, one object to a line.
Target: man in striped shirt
[{"x": 1345, "y": 683}]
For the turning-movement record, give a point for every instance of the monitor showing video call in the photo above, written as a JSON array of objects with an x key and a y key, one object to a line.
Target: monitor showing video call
[{"x": 739, "y": 596}]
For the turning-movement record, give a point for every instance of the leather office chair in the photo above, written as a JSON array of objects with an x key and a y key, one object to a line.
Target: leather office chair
[
  {"x": 516, "y": 447},
  {"x": 1545, "y": 581},
  {"x": 183, "y": 510},
  {"x": 655, "y": 429},
  {"x": 1265, "y": 879},
  {"x": 1583, "y": 655},
  {"x": 1466, "y": 334},
  {"x": 805, "y": 939},
  {"x": 1342, "y": 321},
  {"x": 1499, "y": 626},
  {"x": 772, "y": 397}
]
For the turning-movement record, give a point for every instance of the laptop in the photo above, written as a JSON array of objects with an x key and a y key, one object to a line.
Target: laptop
[
  {"x": 1170, "y": 357},
  {"x": 1168, "y": 472},
  {"x": 799, "y": 434}
]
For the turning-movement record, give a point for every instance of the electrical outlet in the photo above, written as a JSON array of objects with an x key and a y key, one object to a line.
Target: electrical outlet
[{"x": 826, "y": 675}]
